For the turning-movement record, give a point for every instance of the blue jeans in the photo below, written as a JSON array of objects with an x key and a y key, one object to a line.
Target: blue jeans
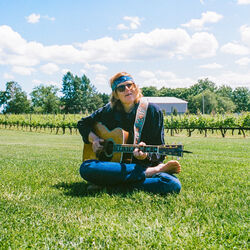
[{"x": 128, "y": 176}]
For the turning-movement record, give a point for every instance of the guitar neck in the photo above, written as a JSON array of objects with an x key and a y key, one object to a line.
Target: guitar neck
[{"x": 176, "y": 150}]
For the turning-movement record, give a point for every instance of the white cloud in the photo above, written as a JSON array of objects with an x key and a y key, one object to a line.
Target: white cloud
[
  {"x": 8, "y": 76},
  {"x": 134, "y": 23},
  {"x": 243, "y": 1},
  {"x": 206, "y": 17},
  {"x": 122, "y": 26},
  {"x": 157, "y": 44},
  {"x": 239, "y": 47},
  {"x": 33, "y": 18},
  {"x": 83, "y": 71},
  {"x": 245, "y": 35},
  {"x": 156, "y": 74},
  {"x": 16, "y": 50},
  {"x": 126, "y": 36},
  {"x": 162, "y": 79},
  {"x": 101, "y": 79},
  {"x": 203, "y": 45},
  {"x": 231, "y": 78},
  {"x": 11, "y": 40},
  {"x": 49, "y": 18},
  {"x": 235, "y": 49},
  {"x": 26, "y": 71},
  {"x": 211, "y": 66},
  {"x": 48, "y": 82},
  {"x": 146, "y": 74},
  {"x": 49, "y": 68},
  {"x": 63, "y": 53},
  {"x": 96, "y": 67},
  {"x": 37, "y": 82},
  {"x": 166, "y": 74},
  {"x": 244, "y": 61},
  {"x": 56, "y": 84},
  {"x": 168, "y": 83},
  {"x": 202, "y": 2},
  {"x": 65, "y": 71}
]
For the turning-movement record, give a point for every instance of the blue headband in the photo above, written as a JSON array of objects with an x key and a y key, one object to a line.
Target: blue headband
[{"x": 120, "y": 80}]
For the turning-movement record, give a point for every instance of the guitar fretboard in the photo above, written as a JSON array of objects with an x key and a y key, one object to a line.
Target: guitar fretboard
[{"x": 176, "y": 150}]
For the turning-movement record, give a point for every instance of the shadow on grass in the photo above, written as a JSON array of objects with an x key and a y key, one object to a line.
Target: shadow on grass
[{"x": 78, "y": 189}]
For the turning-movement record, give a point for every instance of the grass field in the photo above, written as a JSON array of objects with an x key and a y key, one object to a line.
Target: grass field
[{"x": 45, "y": 204}]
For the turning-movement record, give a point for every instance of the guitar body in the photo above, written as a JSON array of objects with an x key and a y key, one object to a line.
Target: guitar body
[{"x": 117, "y": 135}]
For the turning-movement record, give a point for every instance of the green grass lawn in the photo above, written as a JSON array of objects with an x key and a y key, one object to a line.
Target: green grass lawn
[{"x": 45, "y": 204}]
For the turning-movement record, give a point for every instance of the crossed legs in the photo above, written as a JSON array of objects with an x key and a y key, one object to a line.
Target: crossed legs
[{"x": 159, "y": 179}]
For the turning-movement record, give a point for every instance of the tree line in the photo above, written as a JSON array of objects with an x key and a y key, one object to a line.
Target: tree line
[
  {"x": 78, "y": 95},
  {"x": 206, "y": 97}
]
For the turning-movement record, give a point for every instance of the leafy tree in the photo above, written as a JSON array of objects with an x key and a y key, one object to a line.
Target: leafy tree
[
  {"x": 149, "y": 91},
  {"x": 210, "y": 101},
  {"x": 94, "y": 103},
  {"x": 2, "y": 98},
  {"x": 181, "y": 93},
  {"x": 105, "y": 97},
  {"x": 241, "y": 97},
  {"x": 72, "y": 92},
  {"x": 14, "y": 99},
  {"x": 202, "y": 85},
  {"x": 225, "y": 105},
  {"x": 91, "y": 99},
  {"x": 45, "y": 100},
  {"x": 79, "y": 95},
  {"x": 225, "y": 91}
]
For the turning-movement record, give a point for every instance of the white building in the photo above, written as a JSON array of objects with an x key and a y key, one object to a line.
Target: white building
[{"x": 168, "y": 104}]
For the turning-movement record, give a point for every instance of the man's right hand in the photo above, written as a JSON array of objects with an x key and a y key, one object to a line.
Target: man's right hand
[
  {"x": 97, "y": 145},
  {"x": 96, "y": 142}
]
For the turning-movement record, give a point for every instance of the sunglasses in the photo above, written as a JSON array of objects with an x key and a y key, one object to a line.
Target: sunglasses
[{"x": 122, "y": 88}]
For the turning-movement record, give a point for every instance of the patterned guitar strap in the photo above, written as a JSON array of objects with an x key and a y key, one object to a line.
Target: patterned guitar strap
[{"x": 139, "y": 120}]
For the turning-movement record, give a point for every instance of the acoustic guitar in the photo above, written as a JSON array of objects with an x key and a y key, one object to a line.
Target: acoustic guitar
[{"x": 115, "y": 148}]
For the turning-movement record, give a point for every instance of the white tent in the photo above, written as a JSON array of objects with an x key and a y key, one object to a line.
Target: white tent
[{"x": 168, "y": 104}]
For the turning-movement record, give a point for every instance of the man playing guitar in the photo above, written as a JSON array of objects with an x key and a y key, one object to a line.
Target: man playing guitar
[{"x": 144, "y": 170}]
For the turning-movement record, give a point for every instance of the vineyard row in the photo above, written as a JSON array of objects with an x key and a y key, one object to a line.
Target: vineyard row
[{"x": 174, "y": 124}]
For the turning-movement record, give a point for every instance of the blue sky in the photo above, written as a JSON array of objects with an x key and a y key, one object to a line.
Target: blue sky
[{"x": 170, "y": 43}]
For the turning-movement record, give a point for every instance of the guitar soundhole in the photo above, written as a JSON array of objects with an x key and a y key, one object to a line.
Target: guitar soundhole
[
  {"x": 108, "y": 148},
  {"x": 107, "y": 153}
]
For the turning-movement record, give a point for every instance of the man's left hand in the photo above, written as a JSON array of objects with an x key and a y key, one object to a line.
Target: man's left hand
[{"x": 138, "y": 154}]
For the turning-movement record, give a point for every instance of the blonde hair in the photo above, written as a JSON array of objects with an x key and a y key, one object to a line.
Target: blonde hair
[{"x": 115, "y": 102}]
